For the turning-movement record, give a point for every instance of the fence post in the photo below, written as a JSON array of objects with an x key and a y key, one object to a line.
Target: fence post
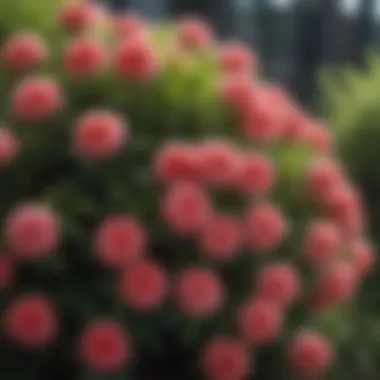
[{"x": 366, "y": 27}]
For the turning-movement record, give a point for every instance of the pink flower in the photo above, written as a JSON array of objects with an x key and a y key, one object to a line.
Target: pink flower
[
  {"x": 265, "y": 227},
  {"x": 100, "y": 134},
  {"x": 225, "y": 358},
  {"x": 343, "y": 204},
  {"x": 336, "y": 284},
  {"x": 31, "y": 231},
  {"x": 199, "y": 292},
  {"x": 261, "y": 122},
  {"x": 30, "y": 321},
  {"x": 279, "y": 283},
  {"x": 322, "y": 177},
  {"x": 322, "y": 241},
  {"x": 83, "y": 56},
  {"x": 237, "y": 92},
  {"x": 220, "y": 238},
  {"x": 219, "y": 163},
  {"x": 36, "y": 98},
  {"x": 318, "y": 137},
  {"x": 295, "y": 124},
  {"x": 119, "y": 240},
  {"x": 143, "y": 285},
  {"x": 105, "y": 346},
  {"x": 135, "y": 60},
  {"x": 310, "y": 354},
  {"x": 256, "y": 174},
  {"x": 176, "y": 161},
  {"x": 77, "y": 16},
  {"x": 23, "y": 51},
  {"x": 193, "y": 34},
  {"x": 361, "y": 254},
  {"x": 185, "y": 208},
  {"x": 259, "y": 321},
  {"x": 128, "y": 27},
  {"x": 236, "y": 58},
  {"x": 9, "y": 147}
]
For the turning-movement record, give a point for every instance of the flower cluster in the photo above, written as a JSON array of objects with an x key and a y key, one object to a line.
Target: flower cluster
[{"x": 171, "y": 211}]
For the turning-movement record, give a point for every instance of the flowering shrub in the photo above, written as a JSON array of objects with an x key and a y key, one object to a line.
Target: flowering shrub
[{"x": 165, "y": 213}]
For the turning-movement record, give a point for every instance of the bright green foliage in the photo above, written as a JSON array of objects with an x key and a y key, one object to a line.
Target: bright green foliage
[
  {"x": 350, "y": 102},
  {"x": 26, "y": 15}
]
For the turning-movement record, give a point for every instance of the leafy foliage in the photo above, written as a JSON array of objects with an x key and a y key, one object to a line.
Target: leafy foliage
[{"x": 349, "y": 100}]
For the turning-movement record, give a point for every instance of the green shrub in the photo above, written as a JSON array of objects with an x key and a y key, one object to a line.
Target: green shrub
[
  {"x": 349, "y": 101},
  {"x": 164, "y": 212}
]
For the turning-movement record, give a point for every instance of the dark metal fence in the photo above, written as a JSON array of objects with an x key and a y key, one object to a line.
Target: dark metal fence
[{"x": 292, "y": 37}]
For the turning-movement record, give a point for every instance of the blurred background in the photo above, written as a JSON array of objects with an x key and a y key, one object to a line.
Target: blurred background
[{"x": 292, "y": 37}]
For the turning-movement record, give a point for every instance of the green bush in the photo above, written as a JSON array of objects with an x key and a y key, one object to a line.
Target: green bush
[
  {"x": 349, "y": 101},
  {"x": 164, "y": 212}
]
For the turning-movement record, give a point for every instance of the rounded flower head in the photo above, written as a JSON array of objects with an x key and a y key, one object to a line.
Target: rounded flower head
[
  {"x": 135, "y": 60},
  {"x": 199, "y": 292},
  {"x": 235, "y": 58},
  {"x": 9, "y": 147},
  {"x": 310, "y": 354},
  {"x": 237, "y": 92},
  {"x": 220, "y": 238},
  {"x": 259, "y": 321},
  {"x": 193, "y": 34},
  {"x": 265, "y": 227},
  {"x": 6, "y": 272},
  {"x": 185, "y": 208},
  {"x": 322, "y": 241},
  {"x": 256, "y": 174},
  {"x": 23, "y": 51},
  {"x": 318, "y": 137},
  {"x": 30, "y": 321},
  {"x": 344, "y": 206},
  {"x": 31, "y": 231},
  {"x": 104, "y": 346},
  {"x": 36, "y": 98},
  {"x": 361, "y": 255},
  {"x": 322, "y": 177},
  {"x": 176, "y": 161},
  {"x": 219, "y": 163},
  {"x": 261, "y": 122},
  {"x": 225, "y": 358},
  {"x": 128, "y": 27},
  {"x": 294, "y": 123},
  {"x": 77, "y": 16},
  {"x": 279, "y": 283},
  {"x": 99, "y": 134},
  {"x": 119, "y": 240},
  {"x": 83, "y": 56},
  {"x": 143, "y": 285},
  {"x": 335, "y": 284}
]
